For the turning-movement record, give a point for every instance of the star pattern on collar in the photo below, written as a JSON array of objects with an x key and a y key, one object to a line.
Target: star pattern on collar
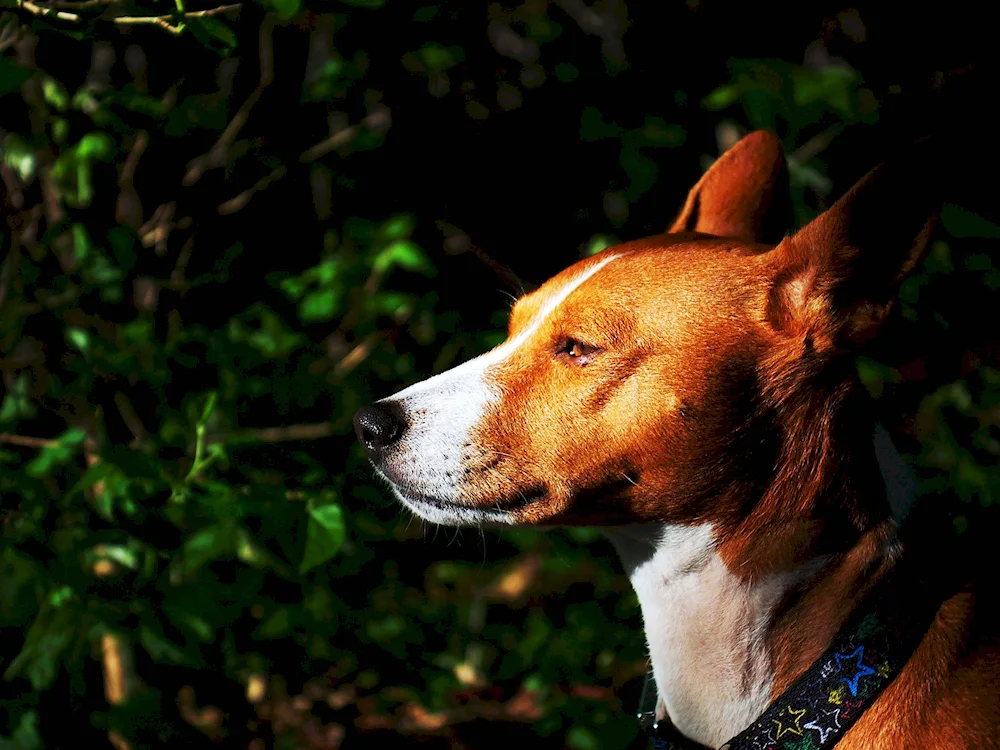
[
  {"x": 824, "y": 732},
  {"x": 792, "y": 726},
  {"x": 862, "y": 669},
  {"x": 806, "y": 743}
]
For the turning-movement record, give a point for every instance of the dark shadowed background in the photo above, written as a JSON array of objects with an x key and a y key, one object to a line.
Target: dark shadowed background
[{"x": 224, "y": 228}]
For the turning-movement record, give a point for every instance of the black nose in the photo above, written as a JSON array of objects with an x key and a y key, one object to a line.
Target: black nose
[{"x": 379, "y": 426}]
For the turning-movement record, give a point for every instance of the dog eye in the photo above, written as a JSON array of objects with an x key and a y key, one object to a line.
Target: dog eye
[{"x": 576, "y": 351}]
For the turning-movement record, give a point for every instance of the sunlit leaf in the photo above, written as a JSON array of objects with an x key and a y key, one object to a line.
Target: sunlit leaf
[
  {"x": 404, "y": 254},
  {"x": 213, "y": 33},
  {"x": 325, "y": 534},
  {"x": 95, "y": 146},
  {"x": 19, "y": 156},
  {"x": 78, "y": 338},
  {"x": 54, "y": 93},
  {"x": 320, "y": 305},
  {"x": 59, "y": 452}
]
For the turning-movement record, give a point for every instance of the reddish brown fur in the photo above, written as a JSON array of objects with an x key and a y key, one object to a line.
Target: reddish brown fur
[{"x": 721, "y": 390}]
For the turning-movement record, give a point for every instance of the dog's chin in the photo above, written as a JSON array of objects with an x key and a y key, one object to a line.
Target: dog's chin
[{"x": 449, "y": 513}]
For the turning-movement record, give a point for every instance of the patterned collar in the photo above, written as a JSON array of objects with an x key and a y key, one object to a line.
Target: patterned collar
[{"x": 825, "y": 701}]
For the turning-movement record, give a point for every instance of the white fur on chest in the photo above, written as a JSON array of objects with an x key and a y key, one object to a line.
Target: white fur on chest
[{"x": 705, "y": 628}]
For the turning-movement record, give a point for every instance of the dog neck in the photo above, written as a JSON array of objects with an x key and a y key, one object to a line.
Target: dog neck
[{"x": 723, "y": 645}]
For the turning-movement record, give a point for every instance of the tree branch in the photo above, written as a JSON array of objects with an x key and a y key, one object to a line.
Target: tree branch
[
  {"x": 164, "y": 22},
  {"x": 217, "y": 155},
  {"x": 83, "y": 5},
  {"x": 40, "y": 11},
  {"x": 161, "y": 20},
  {"x": 27, "y": 441},
  {"x": 378, "y": 120},
  {"x": 236, "y": 203}
]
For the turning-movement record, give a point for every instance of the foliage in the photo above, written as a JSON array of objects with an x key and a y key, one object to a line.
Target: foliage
[{"x": 215, "y": 250}]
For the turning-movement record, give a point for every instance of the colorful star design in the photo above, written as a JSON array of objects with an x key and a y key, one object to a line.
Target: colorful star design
[
  {"x": 824, "y": 732},
  {"x": 806, "y": 743},
  {"x": 849, "y": 708},
  {"x": 869, "y": 626},
  {"x": 852, "y": 681},
  {"x": 794, "y": 718}
]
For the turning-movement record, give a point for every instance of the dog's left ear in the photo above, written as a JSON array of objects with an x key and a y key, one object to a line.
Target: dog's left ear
[
  {"x": 743, "y": 195},
  {"x": 840, "y": 273}
]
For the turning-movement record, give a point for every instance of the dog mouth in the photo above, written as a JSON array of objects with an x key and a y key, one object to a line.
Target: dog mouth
[{"x": 502, "y": 506}]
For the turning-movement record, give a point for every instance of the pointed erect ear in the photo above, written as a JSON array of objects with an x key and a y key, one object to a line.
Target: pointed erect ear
[
  {"x": 840, "y": 273},
  {"x": 743, "y": 195}
]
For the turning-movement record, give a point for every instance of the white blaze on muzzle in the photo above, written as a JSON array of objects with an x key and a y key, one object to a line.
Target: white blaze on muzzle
[{"x": 425, "y": 466}]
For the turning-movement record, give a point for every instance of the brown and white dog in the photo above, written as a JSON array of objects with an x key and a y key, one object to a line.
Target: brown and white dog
[{"x": 694, "y": 393}]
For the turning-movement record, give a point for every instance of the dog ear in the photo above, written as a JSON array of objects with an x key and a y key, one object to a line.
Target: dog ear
[
  {"x": 840, "y": 273},
  {"x": 744, "y": 194}
]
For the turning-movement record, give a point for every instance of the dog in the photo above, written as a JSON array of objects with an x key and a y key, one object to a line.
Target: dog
[{"x": 694, "y": 394}]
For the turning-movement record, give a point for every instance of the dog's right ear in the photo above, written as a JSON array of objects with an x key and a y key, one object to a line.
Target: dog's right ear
[
  {"x": 840, "y": 273},
  {"x": 744, "y": 194}
]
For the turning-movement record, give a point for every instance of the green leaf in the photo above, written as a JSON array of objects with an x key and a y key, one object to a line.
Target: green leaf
[
  {"x": 12, "y": 75},
  {"x": 25, "y": 736},
  {"x": 723, "y": 96},
  {"x": 961, "y": 223},
  {"x": 78, "y": 338},
  {"x": 51, "y": 632},
  {"x": 72, "y": 169},
  {"x": 364, "y": 3},
  {"x": 206, "y": 412},
  {"x": 324, "y": 535},
  {"x": 581, "y": 738},
  {"x": 19, "y": 156},
  {"x": 437, "y": 58},
  {"x": 597, "y": 243},
  {"x": 398, "y": 227},
  {"x": 122, "y": 242},
  {"x": 16, "y": 404},
  {"x": 273, "y": 338},
  {"x": 96, "y": 145},
  {"x": 158, "y": 646},
  {"x": 319, "y": 306},
  {"x": 284, "y": 8},
  {"x": 113, "y": 480},
  {"x": 405, "y": 254},
  {"x": 275, "y": 625},
  {"x": 55, "y": 93},
  {"x": 210, "y": 543},
  {"x": 56, "y": 454},
  {"x": 213, "y": 33}
]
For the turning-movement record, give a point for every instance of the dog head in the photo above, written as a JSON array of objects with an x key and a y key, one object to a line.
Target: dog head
[{"x": 675, "y": 379}]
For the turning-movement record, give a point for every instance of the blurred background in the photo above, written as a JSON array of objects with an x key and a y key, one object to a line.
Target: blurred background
[{"x": 226, "y": 227}]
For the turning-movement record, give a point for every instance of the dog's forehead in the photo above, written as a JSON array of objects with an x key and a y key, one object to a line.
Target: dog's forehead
[{"x": 662, "y": 276}]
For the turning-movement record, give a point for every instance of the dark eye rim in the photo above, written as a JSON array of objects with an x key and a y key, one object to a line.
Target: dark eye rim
[{"x": 567, "y": 345}]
